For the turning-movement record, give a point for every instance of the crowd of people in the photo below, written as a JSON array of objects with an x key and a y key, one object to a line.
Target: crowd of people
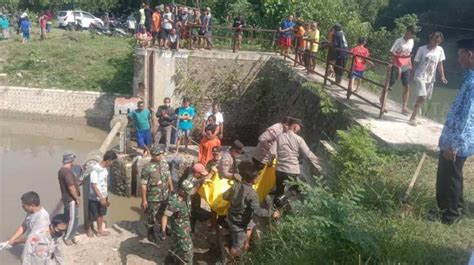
[
  {"x": 305, "y": 39},
  {"x": 172, "y": 27},
  {"x": 164, "y": 199},
  {"x": 20, "y": 22}
]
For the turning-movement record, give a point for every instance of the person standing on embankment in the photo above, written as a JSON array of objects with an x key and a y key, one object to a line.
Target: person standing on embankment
[{"x": 456, "y": 142}]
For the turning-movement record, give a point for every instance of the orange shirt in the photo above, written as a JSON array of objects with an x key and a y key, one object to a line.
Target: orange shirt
[
  {"x": 205, "y": 149},
  {"x": 156, "y": 18},
  {"x": 299, "y": 37}
]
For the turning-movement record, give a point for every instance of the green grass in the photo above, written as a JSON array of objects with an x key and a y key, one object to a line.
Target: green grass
[
  {"x": 359, "y": 218},
  {"x": 69, "y": 60}
]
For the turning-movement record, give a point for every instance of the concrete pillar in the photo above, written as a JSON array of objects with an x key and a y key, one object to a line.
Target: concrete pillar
[{"x": 164, "y": 74}]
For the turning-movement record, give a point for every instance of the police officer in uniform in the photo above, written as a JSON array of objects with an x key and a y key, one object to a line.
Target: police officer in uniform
[
  {"x": 43, "y": 246},
  {"x": 228, "y": 165},
  {"x": 177, "y": 209},
  {"x": 289, "y": 148},
  {"x": 156, "y": 185}
]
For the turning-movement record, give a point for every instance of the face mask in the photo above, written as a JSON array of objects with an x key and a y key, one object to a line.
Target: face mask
[
  {"x": 57, "y": 234},
  {"x": 167, "y": 104}
]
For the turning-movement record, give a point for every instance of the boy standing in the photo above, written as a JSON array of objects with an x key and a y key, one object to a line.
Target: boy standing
[
  {"x": 142, "y": 118},
  {"x": 185, "y": 123},
  {"x": 359, "y": 62},
  {"x": 401, "y": 59},
  {"x": 428, "y": 58},
  {"x": 243, "y": 205},
  {"x": 98, "y": 201}
]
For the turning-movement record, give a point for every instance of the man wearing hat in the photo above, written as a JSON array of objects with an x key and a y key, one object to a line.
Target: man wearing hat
[
  {"x": 228, "y": 165},
  {"x": 456, "y": 142},
  {"x": 289, "y": 147},
  {"x": 181, "y": 247},
  {"x": 156, "y": 185},
  {"x": 70, "y": 196}
]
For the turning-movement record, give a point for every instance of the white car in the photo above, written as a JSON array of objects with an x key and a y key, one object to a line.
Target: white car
[{"x": 66, "y": 17}]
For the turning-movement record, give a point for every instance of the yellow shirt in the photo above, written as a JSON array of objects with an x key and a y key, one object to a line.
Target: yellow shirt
[{"x": 314, "y": 36}]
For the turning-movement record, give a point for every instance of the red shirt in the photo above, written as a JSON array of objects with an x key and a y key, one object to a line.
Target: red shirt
[
  {"x": 43, "y": 20},
  {"x": 359, "y": 62}
]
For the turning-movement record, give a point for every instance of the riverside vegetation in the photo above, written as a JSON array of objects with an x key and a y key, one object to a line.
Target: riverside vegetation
[{"x": 356, "y": 216}]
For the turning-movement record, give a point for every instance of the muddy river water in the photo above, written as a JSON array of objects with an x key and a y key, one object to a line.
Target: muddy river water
[{"x": 30, "y": 157}]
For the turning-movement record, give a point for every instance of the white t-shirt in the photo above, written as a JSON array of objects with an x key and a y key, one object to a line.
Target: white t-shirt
[
  {"x": 427, "y": 63},
  {"x": 402, "y": 47},
  {"x": 36, "y": 221},
  {"x": 219, "y": 117},
  {"x": 99, "y": 176},
  {"x": 167, "y": 18}
]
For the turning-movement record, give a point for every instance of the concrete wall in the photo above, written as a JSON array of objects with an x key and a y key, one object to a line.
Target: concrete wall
[
  {"x": 92, "y": 107},
  {"x": 198, "y": 74}
]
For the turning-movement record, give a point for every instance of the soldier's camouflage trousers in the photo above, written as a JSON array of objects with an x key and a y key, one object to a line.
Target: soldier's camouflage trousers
[
  {"x": 181, "y": 240},
  {"x": 154, "y": 213}
]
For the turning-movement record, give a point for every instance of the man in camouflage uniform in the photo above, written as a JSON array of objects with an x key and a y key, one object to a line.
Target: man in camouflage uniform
[
  {"x": 156, "y": 185},
  {"x": 181, "y": 246}
]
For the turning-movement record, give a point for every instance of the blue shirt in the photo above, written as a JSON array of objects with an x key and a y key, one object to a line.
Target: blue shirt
[
  {"x": 25, "y": 26},
  {"x": 186, "y": 124},
  {"x": 284, "y": 25},
  {"x": 141, "y": 119},
  {"x": 458, "y": 131}
]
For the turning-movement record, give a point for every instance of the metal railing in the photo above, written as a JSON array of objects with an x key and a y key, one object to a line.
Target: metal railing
[
  {"x": 330, "y": 62},
  {"x": 269, "y": 42}
]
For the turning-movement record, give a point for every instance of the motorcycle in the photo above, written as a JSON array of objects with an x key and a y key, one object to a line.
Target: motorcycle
[
  {"x": 74, "y": 26},
  {"x": 98, "y": 29}
]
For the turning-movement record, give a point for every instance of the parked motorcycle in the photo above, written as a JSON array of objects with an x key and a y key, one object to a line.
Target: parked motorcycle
[{"x": 74, "y": 26}]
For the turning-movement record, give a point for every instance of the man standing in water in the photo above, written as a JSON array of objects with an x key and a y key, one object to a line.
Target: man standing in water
[
  {"x": 456, "y": 143},
  {"x": 36, "y": 218},
  {"x": 70, "y": 196}
]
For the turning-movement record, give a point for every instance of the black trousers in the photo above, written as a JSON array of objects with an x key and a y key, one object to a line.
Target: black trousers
[
  {"x": 449, "y": 188},
  {"x": 257, "y": 164},
  {"x": 281, "y": 177}
]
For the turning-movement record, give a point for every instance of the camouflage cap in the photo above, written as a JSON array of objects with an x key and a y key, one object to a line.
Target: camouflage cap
[
  {"x": 156, "y": 151},
  {"x": 189, "y": 183}
]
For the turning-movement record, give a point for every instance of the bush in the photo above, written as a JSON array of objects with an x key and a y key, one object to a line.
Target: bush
[{"x": 360, "y": 219}]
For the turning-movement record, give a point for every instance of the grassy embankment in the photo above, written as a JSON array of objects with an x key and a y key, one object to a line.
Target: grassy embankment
[
  {"x": 69, "y": 60},
  {"x": 358, "y": 217}
]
